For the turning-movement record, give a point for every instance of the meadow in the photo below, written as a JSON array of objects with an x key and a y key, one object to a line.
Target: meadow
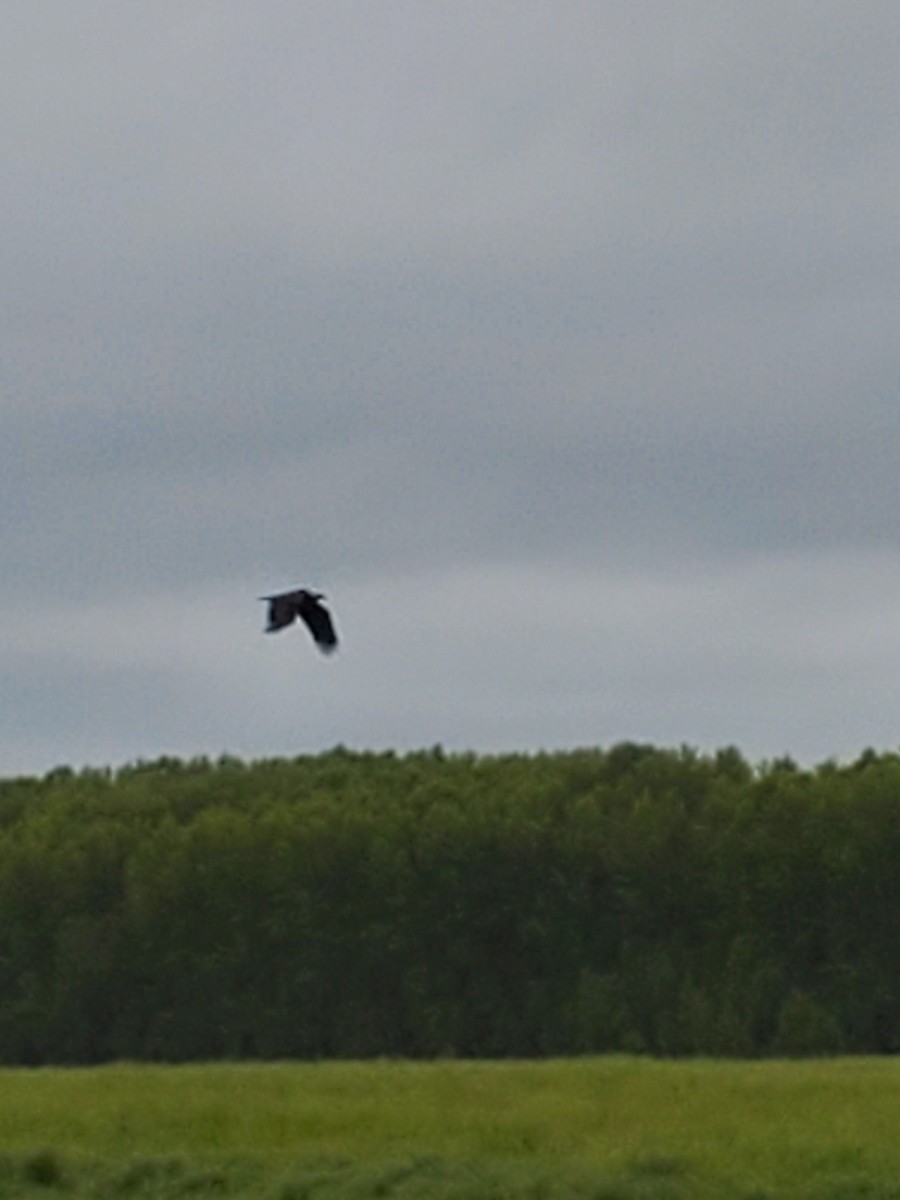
[{"x": 609, "y": 1128}]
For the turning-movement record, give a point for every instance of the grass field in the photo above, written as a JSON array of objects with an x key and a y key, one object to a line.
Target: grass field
[{"x": 609, "y": 1128}]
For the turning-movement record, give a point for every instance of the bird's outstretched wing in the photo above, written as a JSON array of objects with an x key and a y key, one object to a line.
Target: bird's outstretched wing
[
  {"x": 318, "y": 621},
  {"x": 282, "y": 612}
]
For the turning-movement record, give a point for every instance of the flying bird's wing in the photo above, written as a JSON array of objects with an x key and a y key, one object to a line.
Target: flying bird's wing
[
  {"x": 318, "y": 621},
  {"x": 282, "y": 611}
]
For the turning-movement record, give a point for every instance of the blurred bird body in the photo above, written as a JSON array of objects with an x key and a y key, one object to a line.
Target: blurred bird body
[{"x": 286, "y": 607}]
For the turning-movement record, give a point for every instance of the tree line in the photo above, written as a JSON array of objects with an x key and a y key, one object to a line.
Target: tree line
[{"x": 429, "y": 904}]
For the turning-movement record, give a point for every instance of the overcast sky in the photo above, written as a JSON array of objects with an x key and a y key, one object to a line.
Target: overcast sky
[{"x": 558, "y": 343}]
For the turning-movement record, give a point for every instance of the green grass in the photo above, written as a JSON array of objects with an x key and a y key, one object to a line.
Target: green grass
[{"x": 606, "y": 1129}]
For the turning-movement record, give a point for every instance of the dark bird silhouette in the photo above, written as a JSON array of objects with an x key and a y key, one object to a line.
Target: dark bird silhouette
[{"x": 287, "y": 606}]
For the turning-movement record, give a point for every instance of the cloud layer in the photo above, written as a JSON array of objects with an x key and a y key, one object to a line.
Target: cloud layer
[{"x": 558, "y": 348}]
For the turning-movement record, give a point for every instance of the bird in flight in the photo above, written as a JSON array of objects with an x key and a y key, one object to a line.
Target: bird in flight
[{"x": 285, "y": 607}]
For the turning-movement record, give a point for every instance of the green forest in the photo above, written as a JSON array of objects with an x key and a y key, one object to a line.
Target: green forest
[{"x": 354, "y": 905}]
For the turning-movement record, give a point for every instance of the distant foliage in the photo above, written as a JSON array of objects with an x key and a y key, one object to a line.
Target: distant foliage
[{"x": 431, "y": 904}]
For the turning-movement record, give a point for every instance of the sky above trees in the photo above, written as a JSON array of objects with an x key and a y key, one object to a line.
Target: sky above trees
[{"x": 556, "y": 345}]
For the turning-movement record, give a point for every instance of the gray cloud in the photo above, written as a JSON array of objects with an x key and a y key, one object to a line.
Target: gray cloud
[{"x": 450, "y": 311}]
